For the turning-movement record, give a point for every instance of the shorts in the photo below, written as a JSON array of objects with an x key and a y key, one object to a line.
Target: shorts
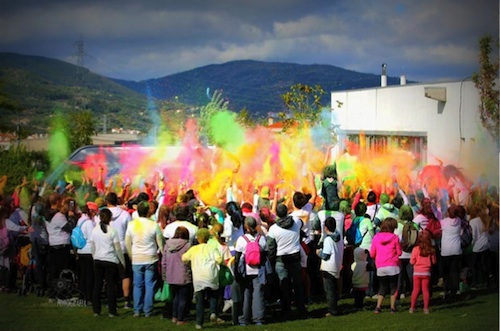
[{"x": 125, "y": 272}]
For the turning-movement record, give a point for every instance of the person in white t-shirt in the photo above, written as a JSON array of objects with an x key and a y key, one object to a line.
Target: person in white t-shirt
[
  {"x": 84, "y": 255},
  {"x": 252, "y": 285},
  {"x": 107, "y": 254},
  {"x": 283, "y": 242},
  {"x": 331, "y": 263}
]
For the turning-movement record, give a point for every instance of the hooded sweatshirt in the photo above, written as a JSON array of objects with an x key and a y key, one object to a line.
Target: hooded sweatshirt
[
  {"x": 284, "y": 237},
  {"x": 331, "y": 254},
  {"x": 119, "y": 221},
  {"x": 174, "y": 270},
  {"x": 421, "y": 264},
  {"x": 450, "y": 241},
  {"x": 387, "y": 210},
  {"x": 386, "y": 250},
  {"x": 360, "y": 275}
]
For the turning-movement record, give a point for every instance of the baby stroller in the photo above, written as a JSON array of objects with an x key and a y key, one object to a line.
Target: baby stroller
[{"x": 65, "y": 285}]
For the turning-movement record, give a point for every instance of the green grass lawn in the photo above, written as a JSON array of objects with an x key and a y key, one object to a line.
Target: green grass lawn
[{"x": 478, "y": 311}]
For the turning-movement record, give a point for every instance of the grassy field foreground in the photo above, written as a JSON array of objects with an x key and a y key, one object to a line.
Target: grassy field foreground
[{"x": 479, "y": 311}]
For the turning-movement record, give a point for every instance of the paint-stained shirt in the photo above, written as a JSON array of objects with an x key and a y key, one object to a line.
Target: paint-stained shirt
[{"x": 143, "y": 240}]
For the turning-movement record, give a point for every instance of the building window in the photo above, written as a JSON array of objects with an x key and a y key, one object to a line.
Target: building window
[{"x": 415, "y": 143}]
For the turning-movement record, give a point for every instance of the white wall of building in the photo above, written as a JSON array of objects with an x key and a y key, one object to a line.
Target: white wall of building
[{"x": 453, "y": 128}]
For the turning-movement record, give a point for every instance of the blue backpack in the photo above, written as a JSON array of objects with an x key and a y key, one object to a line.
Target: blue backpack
[
  {"x": 77, "y": 237},
  {"x": 353, "y": 234}
]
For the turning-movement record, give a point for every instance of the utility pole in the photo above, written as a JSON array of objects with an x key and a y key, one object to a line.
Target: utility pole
[{"x": 80, "y": 53}]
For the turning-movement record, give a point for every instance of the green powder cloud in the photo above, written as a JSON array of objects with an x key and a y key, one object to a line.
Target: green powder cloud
[{"x": 226, "y": 132}]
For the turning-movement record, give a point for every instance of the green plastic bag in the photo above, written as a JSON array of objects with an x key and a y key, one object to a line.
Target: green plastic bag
[
  {"x": 163, "y": 293},
  {"x": 225, "y": 276}
]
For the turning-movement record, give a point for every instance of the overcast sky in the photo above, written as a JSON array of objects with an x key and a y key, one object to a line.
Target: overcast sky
[{"x": 428, "y": 40}]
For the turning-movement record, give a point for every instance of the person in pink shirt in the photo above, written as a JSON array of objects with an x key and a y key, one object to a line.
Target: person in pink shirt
[
  {"x": 386, "y": 250},
  {"x": 423, "y": 256}
]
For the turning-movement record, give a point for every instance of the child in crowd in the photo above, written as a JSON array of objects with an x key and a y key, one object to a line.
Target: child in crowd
[
  {"x": 331, "y": 264},
  {"x": 205, "y": 260},
  {"x": 422, "y": 258},
  {"x": 360, "y": 276},
  {"x": 177, "y": 274}
]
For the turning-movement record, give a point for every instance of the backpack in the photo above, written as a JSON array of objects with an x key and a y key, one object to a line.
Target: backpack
[
  {"x": 252, "y": 251},
  {"x": 434, "y": 227},
  {"x": 77, "y": 238},
  {"x": 410, "y": 236},
  {"x": 25, "y": 255},
  {"x": 465, "y": 235},
  {"x": 353, "y": 234}
]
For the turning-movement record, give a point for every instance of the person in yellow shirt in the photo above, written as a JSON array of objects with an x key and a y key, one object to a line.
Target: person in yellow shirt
[{"x": 205, "y": 260}]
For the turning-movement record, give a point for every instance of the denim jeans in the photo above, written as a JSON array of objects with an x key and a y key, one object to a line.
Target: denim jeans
[
  {"x": 253, "y": 302},
  {"x": 330, "y": 285},
  {"x": 200, "y": 307},
  {"x": 144, "y": 287},
  {"x": 180, "y": 302}
]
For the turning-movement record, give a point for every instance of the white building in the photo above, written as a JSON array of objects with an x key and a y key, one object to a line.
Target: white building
[{"x": 438, "y": 121}]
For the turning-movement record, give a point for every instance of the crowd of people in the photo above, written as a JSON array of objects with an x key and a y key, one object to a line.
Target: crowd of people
[{"x": 281, "y": 249}]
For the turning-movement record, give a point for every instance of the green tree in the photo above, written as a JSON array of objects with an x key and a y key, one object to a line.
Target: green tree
[
  {"x": 72, "y": 130},
  {"x": 81, "y": 128},
  {"x": 244, "y": 117},
  {"x": 485, "y": 83},
  {"x": 17, "y": 163},
  {"x": 304, "y": 103}
]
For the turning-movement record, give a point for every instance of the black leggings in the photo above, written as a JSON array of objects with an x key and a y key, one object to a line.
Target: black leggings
[{"x": 388, "y": 282}]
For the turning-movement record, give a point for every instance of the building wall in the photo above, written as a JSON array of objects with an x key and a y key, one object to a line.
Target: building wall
[{"x": 453, "y": 128}]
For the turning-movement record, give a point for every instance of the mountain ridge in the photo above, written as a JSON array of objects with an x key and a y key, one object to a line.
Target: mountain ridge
[{"x": 39, "y": 86}]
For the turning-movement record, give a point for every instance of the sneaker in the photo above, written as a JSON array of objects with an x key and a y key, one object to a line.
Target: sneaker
[
  {"x": 96, "y": 315},
  {"x": 411, "y": 310},
  {"x": 227, "y": 305},
  {"x": 198, "y": 327},
  {"x": 127, "y": 305},
  {"x": 426, "y": 311},
  {"x": 215, "y": 319},
  {"x": 181, "y": 323},
  {"x": 402, "y": 296},
  {"x": 375, "y": 296},
  {"x": 113, "y": 315},
  {"x": 174, "y": 320},
  {"x": 377, "y": 310},
  {"x": 137, "y": 314}
]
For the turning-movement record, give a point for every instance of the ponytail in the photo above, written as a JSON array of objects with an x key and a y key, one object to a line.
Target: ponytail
[{"x": 105, "y": 216}]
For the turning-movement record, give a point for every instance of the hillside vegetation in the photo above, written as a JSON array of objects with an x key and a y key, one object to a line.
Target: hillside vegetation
[
  {"x": 33, "y": 88},
  {"x": 37, "y": 87},
  {"x": 254, "y": 85}
]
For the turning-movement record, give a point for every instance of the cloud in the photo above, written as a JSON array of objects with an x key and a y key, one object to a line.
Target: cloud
[{"x": 140, "y": 40}]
